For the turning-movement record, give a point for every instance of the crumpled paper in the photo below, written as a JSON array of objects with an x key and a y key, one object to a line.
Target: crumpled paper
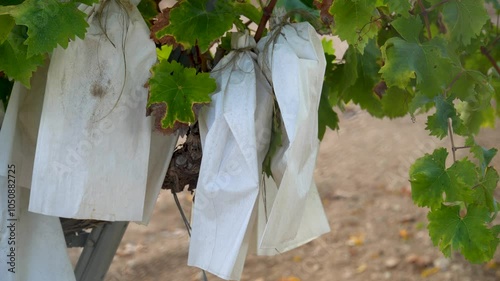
[
  {"x": 40, "y": 248},
  {"x": 94, "y": 143},
  {"x": 292, "y": 58},
  {"x": 235, "y": 133}
]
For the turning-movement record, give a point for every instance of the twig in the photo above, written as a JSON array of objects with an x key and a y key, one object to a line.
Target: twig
[
  {"x": 431, "y": 8},
  {"x": 186, "y": 223},
  {"x": 268, "y": 11},
  {"x": 450, "y": 131},
  {"x": 455, "y": 79},
  {"x": 487, "y": 54},
  {"x": 453, "y": 147},
  {"x": 426, "y": 18},
  {"x": 181, "y": 211}
]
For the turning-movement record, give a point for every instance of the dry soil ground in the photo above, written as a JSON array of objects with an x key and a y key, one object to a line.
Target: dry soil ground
[{"x": 377, "y": 232}]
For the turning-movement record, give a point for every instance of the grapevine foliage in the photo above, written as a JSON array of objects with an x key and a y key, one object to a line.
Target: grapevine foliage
[{"x": 404, "y": 57}]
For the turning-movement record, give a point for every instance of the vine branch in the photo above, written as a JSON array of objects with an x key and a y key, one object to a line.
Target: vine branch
[
  {"x": 493, "y": 62},
  {"x": 433, "y": 7},
  {"x": 450, "y": 132},
  {"x": 426, "y": 18},
  {"x": 455, "y": 79},
  {"x": 268, "y": 11},
  {"x": 453, "y": 147}
]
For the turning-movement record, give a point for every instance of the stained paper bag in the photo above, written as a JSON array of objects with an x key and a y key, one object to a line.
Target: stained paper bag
[
  {"x": 32, "y": 246},
  {"x": 292, "y": 58},
  {"x": 235, "y": 132},
  {"x": 94, "y": 140}
]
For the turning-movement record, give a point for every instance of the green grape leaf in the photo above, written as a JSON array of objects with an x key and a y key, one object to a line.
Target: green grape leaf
[
  {"x": 90, "y": 2},
  {"x": 362, "y": 90},
  {"x": 427, "y": 62},
  {"x": 304, "y": 5},
  {"x": 178, "y": 90},
  {"x": 5, "y": 91},
  {"x": 395, "y": 102},
  {"x": 408, "y": 28},
  {"x": 469, "y": 234},
  {"x": 471, "y": 84},
  {"x": 326, "y": 117},
  {"x": 7, "y": 23},
  {"x": 401, "y": 7},
  {"x": 437, "y": 123},
  {"x": 195, "y": 21},
  {"x": 464, "y": 19},
  {"x": 475, "y": 115},
  {"x": 339, "y": 77},
  {"x": 429, "y": 178},
  {"x": 484, "y": 190},
  {"x": 10, "y": 2},
  {"x": 419, "y": 101},
  {"x": 483, "y": 155},
  {"x": 476, "y": 111},
  {"x": 248, "y": 10},
  {"x": 276, "y": 140},
  {"x": 13, "y": 58},
  {"x": 148, "y": 10},
  {"x": 48, "y": 24},
  {"x": 333, "y": 82},
  {"x": 354, "y": 21}
]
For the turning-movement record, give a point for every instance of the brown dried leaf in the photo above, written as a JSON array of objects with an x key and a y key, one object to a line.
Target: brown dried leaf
[
  {"x": 324, "y": 7},
  {"x": 162, "y": 20}
]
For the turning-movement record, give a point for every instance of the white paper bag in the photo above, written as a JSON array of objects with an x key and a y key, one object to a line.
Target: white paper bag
[
  {"x": 162, "y": 149},
  {"x": 292, "y": 58},
  {"x": 31, "y": 245},
  {"x": 235, "y": 133},
  {"x": 94, "y": 140}
]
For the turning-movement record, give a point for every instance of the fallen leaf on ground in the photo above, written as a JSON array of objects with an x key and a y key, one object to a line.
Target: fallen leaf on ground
[
  {"x": 404, "y": 234},
  {"x": 492, "y": 264},
  {"x": 429, "y": 272},
  {"x": 290, "y": 278},
  {"x": 361, "y": 268},
  {"x": 356, "y": 240},
  {"x": 420, "y": 261}
]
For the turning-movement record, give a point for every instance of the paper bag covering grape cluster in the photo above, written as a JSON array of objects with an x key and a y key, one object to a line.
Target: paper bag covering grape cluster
[
  {"x": 80, "y": 143},
  {"x": 236, "y": 209}
]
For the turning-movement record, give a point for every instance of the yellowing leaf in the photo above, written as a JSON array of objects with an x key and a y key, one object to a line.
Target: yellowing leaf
[{"x": 164, "y": 52}]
